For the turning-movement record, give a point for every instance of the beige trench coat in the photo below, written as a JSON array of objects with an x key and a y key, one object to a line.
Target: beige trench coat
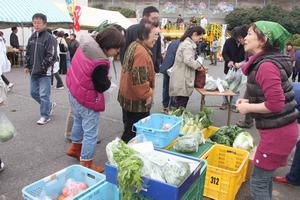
[{"x": 182, "y": 75}]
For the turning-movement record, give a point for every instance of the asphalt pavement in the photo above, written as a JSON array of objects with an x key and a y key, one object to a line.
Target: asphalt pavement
[{"x": 38, "y": 151}]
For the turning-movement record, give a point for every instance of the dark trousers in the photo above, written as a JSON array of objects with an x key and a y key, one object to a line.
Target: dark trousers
[
  {"x": 6, "y": 81},
  {"x": 295, "y": 74},
  {"x": 62, "y": 64},
  {"x": 294, "y": 175},
  {"x": 129, "y": 118},
  {"x": 181, "y": 101},
  {"x": 59, "y": 82},
  {"x": 167, "y": 101}
]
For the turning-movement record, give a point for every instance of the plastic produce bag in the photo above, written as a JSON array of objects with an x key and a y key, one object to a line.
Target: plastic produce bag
[
  {"x": 72, "y": 188},
  {"x": 187, "y": 144},
  {"x": 109, "y": 150},
  {"x": 109, "y": 93},
  {"x": 7, "y": 130},
  {"x": 210, "y": 84},
  {"x": 230, "y": 76},
  {"x": 235, "y": 79},
  {"x": 175, "y": 172},
  {"x": 164, "y": 169}
]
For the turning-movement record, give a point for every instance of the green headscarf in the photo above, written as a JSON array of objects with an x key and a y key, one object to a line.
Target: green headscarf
[{"x": 274, "y": 32}]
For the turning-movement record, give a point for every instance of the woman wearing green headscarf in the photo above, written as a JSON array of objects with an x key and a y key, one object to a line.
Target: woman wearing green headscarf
[{"x": 270, "y": 102}]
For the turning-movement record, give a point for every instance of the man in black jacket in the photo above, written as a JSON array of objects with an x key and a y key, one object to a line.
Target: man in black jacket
[
  {"x": 14, "y": 42},
  {"x": 150, "y": 14},
  {"x": 41, "y": 54},
  {"x": 233, "y": 49}
]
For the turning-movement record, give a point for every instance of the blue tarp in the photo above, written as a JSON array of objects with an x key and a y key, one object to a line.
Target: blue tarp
[{"x": 20, "y": 12}]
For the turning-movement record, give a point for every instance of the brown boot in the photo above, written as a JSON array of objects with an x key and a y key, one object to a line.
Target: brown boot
[
  {"x": 74, "y": 150},
  {"x": 89, "y": 164}
]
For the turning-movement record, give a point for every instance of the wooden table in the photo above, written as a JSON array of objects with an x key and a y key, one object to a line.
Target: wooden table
[{"x": 227, "y": 93}]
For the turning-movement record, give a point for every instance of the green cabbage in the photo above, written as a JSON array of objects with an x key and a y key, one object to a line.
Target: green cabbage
[{"x": 244, "y": 140}]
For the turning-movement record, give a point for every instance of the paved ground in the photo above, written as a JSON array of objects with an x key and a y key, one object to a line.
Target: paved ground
[{"x": 38, "y": 151}]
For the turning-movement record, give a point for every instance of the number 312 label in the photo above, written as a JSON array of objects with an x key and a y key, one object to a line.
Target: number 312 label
[{"x": 214, "y": 180}]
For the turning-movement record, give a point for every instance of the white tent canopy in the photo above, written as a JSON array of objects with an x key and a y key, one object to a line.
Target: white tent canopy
[
  {"x": 92, "y": 17},
  {"x": 20, "y": 12}
]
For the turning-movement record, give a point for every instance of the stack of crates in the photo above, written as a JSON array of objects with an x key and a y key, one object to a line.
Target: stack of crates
[{"x": 109, "y": 191}]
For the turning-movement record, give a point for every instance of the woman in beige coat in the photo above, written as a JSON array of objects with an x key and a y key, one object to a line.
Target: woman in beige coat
[{"x": 182, "y": 75}]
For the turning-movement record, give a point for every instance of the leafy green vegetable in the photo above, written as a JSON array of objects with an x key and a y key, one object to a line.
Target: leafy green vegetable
[
  {"x": 129, "y": 170},
  {"x": 226, "y": 135},
  {"x": 244, "y": 140},
  {"x": 191, "y": 123},
  {"x": 129, "y": 176}
]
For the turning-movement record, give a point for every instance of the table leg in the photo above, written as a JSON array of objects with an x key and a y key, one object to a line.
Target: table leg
[
  {"x": 202, "y": 102},
  {"x": 229, "y": 110}
]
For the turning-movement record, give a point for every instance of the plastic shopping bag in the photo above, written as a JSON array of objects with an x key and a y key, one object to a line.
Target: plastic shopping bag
[
  {"x": 230, "y": 76},
  {"x": 109, "y": 93},
  {"x": 7, "y": 130}
]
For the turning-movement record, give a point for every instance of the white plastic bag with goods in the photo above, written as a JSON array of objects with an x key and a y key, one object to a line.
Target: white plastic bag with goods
[{"x": 7, "y": 130}]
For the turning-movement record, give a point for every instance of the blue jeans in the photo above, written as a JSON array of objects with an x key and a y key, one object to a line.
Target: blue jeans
[
  {"x": 261, "y": 184},
  {"x": 85, "y": 128},
  {"x": 167, "y": 101},
  {"x": 294, "y": 175},
  {"x": 234, "y": 99},
  {"x": 40, "y": 90}
]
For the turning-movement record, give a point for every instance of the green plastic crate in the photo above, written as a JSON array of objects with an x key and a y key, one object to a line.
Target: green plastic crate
[{"x": 196, "y": 190}]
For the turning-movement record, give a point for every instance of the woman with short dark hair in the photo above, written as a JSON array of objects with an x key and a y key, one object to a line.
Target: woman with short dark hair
[
  {"x": 87, "y": 79},
  {"x": 137, "y": 79},
  {"x": 270, "y": 102}
]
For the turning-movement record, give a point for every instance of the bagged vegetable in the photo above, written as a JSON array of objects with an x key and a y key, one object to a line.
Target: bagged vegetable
[
  {"x": 187, "y": 144},
  {"x": 210, "y": 84},
  {"x": 71, "y": 189},
  {"x": 7, "y": 130},
  {"x": 175, "y": 172},
  {"x": 244, "y": 140}
]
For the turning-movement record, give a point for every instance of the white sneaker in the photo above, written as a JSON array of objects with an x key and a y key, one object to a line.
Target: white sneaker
[
  {"x": 53, "y": 105},
  {"x": 60, "y": 88},
  {"x": 1, "y": 166},
  {"x": 43, "y": 121}
]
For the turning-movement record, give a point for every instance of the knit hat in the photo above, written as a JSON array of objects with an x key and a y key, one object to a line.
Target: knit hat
[{"x": 276, "y": 33}]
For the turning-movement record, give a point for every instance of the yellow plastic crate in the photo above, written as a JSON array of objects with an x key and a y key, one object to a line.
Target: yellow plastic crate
[
  {"x": 207, "y": 132},
  {"x": 226, "y": 171}
]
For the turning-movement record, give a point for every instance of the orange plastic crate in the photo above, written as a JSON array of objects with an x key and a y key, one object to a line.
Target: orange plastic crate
[{"x": 226, "y": 171}]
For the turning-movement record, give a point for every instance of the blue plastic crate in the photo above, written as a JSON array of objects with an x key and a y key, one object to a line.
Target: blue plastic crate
[
  {"x": 150, "y": 129},
  {"x": 109, "y": 191},
  {"x": 157, "y": 190},
  {"x": 105, "y": 191},
  {"x": 53, "y": 185}
]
